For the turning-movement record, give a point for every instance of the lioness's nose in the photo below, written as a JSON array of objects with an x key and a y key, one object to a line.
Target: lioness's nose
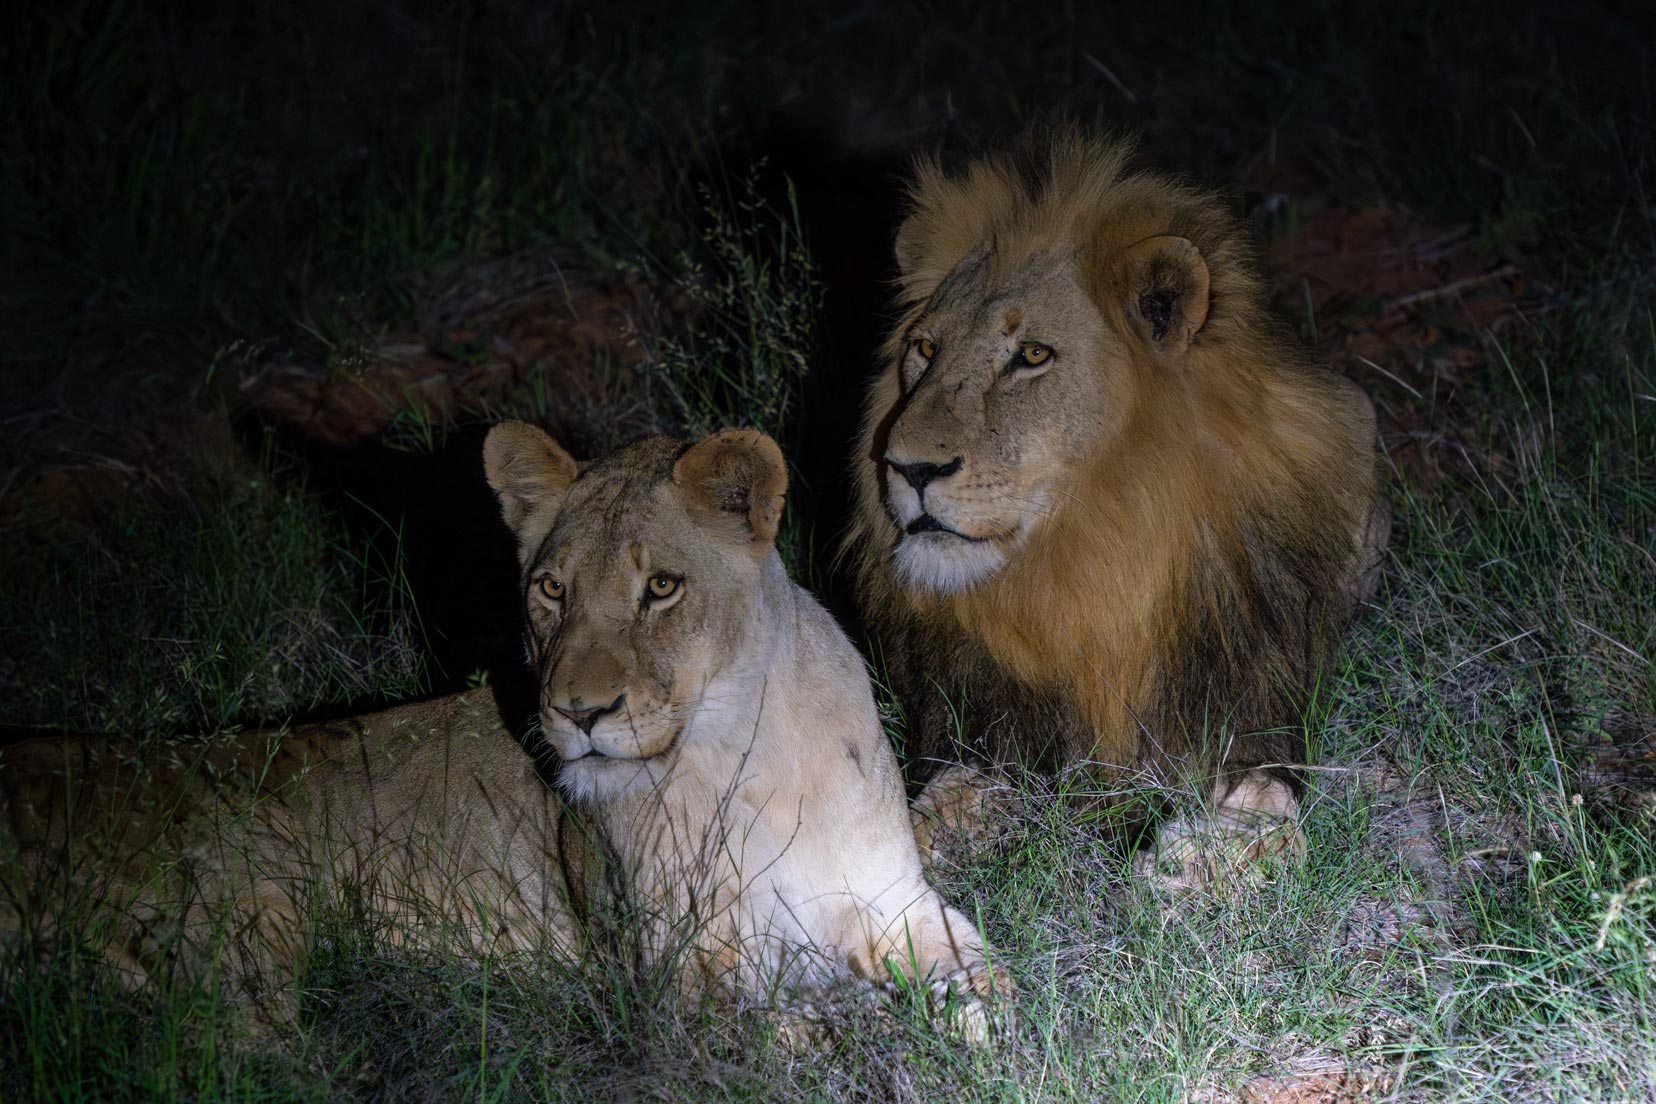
[
  {"x": 921, "y": 473},
  {"x": 584, "y": 719}
]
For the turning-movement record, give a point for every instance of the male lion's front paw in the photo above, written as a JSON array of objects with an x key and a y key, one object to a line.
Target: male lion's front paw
[
  {"x": 1208, "y": 855},
  {"x": 1253, "y": 832},
  {"x": 961, "y": 810}
]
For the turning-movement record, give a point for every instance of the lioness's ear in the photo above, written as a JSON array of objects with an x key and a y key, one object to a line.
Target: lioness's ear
[
  {"x": 739, "y": 476},
  {"x": 1167, "y": 290},
  {"x": 528, "y": 472}
]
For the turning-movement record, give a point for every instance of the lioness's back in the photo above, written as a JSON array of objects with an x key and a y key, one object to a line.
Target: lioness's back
[{"x": 431, "y": 811}]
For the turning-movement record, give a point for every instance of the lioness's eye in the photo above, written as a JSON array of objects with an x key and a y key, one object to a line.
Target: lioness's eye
[
  {"x": 550, "y": 588},
  {"x": 662, "y": 585},
  {"x": 926, "y": 347},
  {"x": 1031, "y": 354}
]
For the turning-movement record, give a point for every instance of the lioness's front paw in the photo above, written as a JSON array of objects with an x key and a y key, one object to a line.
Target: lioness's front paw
[
  {"x": 1226, "y": 853},
  {"x": 968, "y": 1018},
  {"x": 973, "y": 1005}
]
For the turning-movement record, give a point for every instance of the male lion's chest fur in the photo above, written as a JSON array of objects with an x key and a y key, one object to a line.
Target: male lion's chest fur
[{"x": 1051, "y": 660}]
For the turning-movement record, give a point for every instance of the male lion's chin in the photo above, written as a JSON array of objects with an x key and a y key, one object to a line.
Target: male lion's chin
[{"x": 944, "y": 563}]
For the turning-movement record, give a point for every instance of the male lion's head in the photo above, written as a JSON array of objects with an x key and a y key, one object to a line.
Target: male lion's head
[
  {"x": 639, "y": 572},
  {"x": 1042, "y": 305}
]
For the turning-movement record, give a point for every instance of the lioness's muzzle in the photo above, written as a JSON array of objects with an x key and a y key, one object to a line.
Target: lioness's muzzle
[{"x": 584, "y": 719}]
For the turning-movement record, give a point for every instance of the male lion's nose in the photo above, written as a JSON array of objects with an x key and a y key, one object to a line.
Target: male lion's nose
[
  {"x": 920, "y": 473},
  {"x": 584, "y": 719}
]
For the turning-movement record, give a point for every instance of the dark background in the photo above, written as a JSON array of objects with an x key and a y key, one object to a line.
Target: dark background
[{"x": 197, "y": 191}]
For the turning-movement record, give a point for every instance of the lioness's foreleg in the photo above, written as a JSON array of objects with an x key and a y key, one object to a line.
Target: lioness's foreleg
[
  {"x": 1249, "y": 829},
  {"x": 266, "y": 949},
  {"x": 938, "y": 949}
]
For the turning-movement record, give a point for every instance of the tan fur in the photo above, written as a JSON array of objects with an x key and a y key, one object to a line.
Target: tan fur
[
  {"x": 740, "y": 805},
  {"x": 430, "y": 815},
  {"x": 1163, "y": 528}
]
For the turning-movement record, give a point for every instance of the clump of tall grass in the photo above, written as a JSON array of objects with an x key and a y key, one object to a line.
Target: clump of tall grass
[
  {"x": 232, "y": 598},
  {"x": 754, "y": 298}
]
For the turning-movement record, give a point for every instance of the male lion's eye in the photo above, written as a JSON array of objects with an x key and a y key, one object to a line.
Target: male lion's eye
[
  {"x": 926, "y": 347},
  {"x": 1032, "y": 354},
  {"x": 662, "y": 585},
  {"x": 551, "y": 588}
]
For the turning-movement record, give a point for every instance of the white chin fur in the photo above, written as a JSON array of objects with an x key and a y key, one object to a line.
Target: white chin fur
[
  {"x": 599, "y": 779},
  {"x": 943, "y": 564}
]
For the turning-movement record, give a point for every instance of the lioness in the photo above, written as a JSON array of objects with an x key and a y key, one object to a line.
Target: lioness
[
  {"x": 1105, "y": 500},
  {"x": 712, "y": 719},
  {"x": 722, "y": 772}
]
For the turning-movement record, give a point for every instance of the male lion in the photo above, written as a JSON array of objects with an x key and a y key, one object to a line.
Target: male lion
[
  {"x": 1104, "y": 500},
  {"x": 722, "y": 774}
]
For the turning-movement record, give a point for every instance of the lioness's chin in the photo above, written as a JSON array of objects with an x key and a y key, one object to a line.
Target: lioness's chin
[
  {"x": 946, "y": 564},
  {"x": 599, "y": 777}
]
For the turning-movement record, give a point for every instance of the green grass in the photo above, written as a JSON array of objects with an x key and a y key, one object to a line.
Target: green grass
[
  {"x": 231, "y": 598},
  {"x": 754, "y": 298},
  {"x": 1464, "y": 923}
]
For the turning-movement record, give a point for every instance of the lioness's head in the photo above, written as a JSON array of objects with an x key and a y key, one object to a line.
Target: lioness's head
[
  {"x": 639, "y": 570},
  {"x": 1038, "y": 302}
]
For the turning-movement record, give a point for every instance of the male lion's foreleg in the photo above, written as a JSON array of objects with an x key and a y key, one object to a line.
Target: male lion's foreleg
[
  {"x": 962, "y": 808},
  {"x": 1251, "y": 829}
]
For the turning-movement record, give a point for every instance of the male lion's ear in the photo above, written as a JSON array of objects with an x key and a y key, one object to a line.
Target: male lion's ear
[
  {"x": 739, "y": 474},
  {"x": 908, "y": 249},
  {"x": 1167, "y": 290},
  {"x": 527, "y": 471}
]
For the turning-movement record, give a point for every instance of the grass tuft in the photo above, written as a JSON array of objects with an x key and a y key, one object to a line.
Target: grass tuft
[{"x": 232, "y": 600}]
